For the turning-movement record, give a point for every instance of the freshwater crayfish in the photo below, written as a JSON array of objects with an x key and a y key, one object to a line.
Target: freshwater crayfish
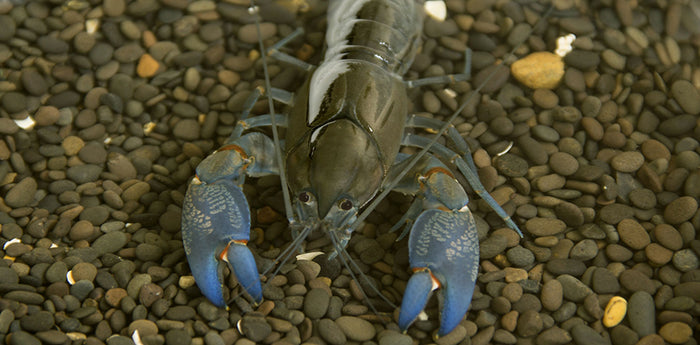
[{"x": 344, "y": 130}]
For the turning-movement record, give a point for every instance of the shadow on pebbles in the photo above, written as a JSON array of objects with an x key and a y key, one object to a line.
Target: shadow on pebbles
[{"x": 600, "y": 170}]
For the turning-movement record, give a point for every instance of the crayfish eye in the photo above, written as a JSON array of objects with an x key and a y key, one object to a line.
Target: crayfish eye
[
  {"x": 346, "y": 204},
  {"x": 304, "y": 197}
]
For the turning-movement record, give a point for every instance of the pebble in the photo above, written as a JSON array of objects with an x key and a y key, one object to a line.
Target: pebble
[
  {"x": 680, "y": 210},
  {"x": 583, "y": 334},
  {"x": 604, "y": 281},
  {"x": 633, "y": 234},
  {"x": 22, "y": 193},
  {"x": 641, "y": 313},
  {"x": 552, "y": 295},
  {"x": 615, "y": 311},
  {"x": 147, "y": 66},
  {"x": 563, "y": 163},
  {"x": 545, "y": 226},
  {"x": 574, "y": 289},
  {"x": 539, "y": 70},
  {"x": 248, "y": 33},
  {"x": 356, "y": 329},
  {"x": 316, "y": 303},
  {"x": 676, "y": 332},
  {"x": 331, "y": 332},
  {"x": 627, "y": 162},
  {"x": 687, "y": 96}
]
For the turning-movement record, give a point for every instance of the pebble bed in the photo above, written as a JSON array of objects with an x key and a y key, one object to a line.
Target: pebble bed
[{"x": 129, "y": 96}]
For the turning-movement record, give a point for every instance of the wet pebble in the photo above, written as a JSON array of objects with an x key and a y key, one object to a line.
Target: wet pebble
[
  {"x": 641, "y": 313},
  {"x": 331, "y": 332},
  {"x": 355, "y": 328},
  {"x": 676, "y": 332},
  {"x": 680, "y": 209},
  {"x": 316, "y": 303}
]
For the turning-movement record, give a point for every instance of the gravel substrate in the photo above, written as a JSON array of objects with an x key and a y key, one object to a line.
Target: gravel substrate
[{"x": 603, "y": 176}]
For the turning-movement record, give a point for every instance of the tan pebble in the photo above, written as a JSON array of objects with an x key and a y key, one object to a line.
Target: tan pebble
[
  {"x": 676, "y": 332},
  {"x": 615, "y": 311},
  {"x": 147, "y": 67},
  {"x": 540, "y": 70},
  {"x": 148, "y": 38},
  {"x": 266, "y": 215},
  {"x": 72, "y": 145}
]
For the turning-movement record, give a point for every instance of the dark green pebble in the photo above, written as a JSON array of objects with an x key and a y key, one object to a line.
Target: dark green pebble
[
  {"x": 178, "y": 337},
  {"x": 316, "y": 303},
  {"x": 23, "y": 338},
  {"x": 52, "y": 337},
  {"x": 574, "y": 289},
  {"x": 33, "y": 82},
  {"x": 27, "y": 297},
  {"x": 255, "y": 328},
  {"x": 511, "y": 165},
  {"x": 583, "y": 334},
  {"x": 604, "y": 282},
  {"x": 520, "y": 257},
  {"x": 8, "y": 276},
  {"x": 84, "y": 173},
  {"x": 81, "y": 289},
  {"x": 492, "y": 246},
  {"x": 641, "y": 313},
  {"x": 533, "y": 150},
  {"x": 39, "y": 321},
  {"x": 623, "y": 335},
  {"x": 180, "y": 313}
]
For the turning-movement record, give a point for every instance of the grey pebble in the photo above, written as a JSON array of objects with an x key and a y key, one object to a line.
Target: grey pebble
[
  {"x": 641, "y": 313},
  {"x": 545, "y": 133},
  {"x": 685, "y": 260},
  {"x": 583, "y": 334},
  {"x": 574, "y": 289},
  {"x": 394, "y": 338},
  {"x": 84, "y": 173},
  {"x": 255, "y": 328},
  {"x": 81, "y": 289},
  {"x": 355, "y": 328},
  {"x": 604, "y": 282},
  {"x": 22, "y": 193},
  {"x": 23, "y": 338},
  {"x": 687, "y": 96},
  {"x": 584, "y": 250},
  {"x": 553, "y": 336},
  {"x": 331, "y": 332},
  {"x": 39, "y": 321},
  {"x": 520, "y": 257},
  {"x": 316, "y": 303}
]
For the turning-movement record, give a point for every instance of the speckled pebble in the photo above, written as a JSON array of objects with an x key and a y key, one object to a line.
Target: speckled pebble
[
  {"x": 544, "y": 226},
  {"x": 633, "y": 234},
  {"x": 628, "y": 162},
  {"x": 685, "y": 260},
  {"x": 680, "y": 210}
]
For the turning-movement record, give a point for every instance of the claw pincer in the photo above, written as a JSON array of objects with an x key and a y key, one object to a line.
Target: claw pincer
[
  {"x": 216, "y": 217},
  {"x": 443, "y": 248}
]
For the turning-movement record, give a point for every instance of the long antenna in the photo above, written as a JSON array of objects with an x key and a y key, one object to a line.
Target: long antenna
[{"x": 253, "y": 10}]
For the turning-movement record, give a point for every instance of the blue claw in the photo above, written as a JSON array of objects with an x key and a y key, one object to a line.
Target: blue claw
[
  {"x": 243, "y": 263},
  {"x": 216, "y": 226},
  {"x": 444, "y": 253}
]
